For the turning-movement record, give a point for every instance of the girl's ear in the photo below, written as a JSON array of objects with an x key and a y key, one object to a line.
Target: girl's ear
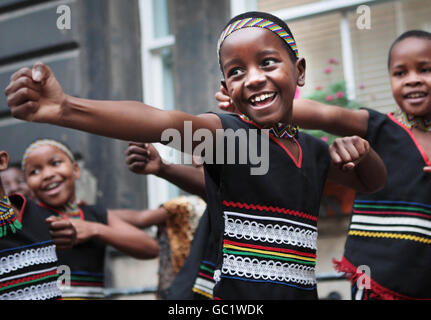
[
  {"x": 300, "y": 69},
  {"x": 76, "y": 170},
  {"x": 4, "y": 160}
]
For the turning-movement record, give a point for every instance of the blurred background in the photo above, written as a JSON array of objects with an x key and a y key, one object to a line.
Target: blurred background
[{"x": 163, "y": 52}]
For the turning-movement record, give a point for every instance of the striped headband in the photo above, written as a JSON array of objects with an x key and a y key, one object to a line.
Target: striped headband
[
  {"x": 45, "y": 142},
  {"x": 258, "y": 23}
]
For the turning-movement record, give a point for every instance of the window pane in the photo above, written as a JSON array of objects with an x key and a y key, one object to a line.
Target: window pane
[{"x": 161, "y": 25}]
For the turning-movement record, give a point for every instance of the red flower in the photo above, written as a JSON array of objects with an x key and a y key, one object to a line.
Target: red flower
[
  {"x": 339, "y": 94},
  {"x": 327, "y": 70},
  {"x": 333, "y": 61},
  {"x": 329, "y": 98},
  {"x": 319, "y": 87}
]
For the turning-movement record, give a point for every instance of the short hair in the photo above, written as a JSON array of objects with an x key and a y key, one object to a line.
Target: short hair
[{"x": 421, "y": 34}]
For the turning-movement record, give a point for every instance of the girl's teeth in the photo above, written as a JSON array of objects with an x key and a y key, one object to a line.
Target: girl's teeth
[{"x": 262, "y": 97}]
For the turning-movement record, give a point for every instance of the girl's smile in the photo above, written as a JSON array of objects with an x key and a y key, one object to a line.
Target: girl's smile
[
  {"x": 260, "y": 76},
  {"x": 51, "y": 175},
  {"x": 410, "y": 75}
]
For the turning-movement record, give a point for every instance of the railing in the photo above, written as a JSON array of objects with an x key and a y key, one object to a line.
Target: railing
[{"x": 321, "y": 277}]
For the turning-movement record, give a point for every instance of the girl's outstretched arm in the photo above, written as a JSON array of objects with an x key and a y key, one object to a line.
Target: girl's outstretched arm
[
  {"x": 310, "y": 114},
  {"x": 356, "y": 165},
  {"x": 119, "y": 234},
  {"x": 35, "y": 95}
]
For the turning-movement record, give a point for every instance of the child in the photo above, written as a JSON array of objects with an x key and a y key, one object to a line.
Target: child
[
  {"x": 263, "y": 227},
  {"x": 51, "y": 171},
  {"x": 389, "y": 230},
  {"x": 177, "y": 220},
  {"x": 14, "y": 182},
  {"x": 28, "y": 261}
]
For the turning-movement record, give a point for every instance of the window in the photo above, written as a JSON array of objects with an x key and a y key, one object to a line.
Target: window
[{"x": 158, "y": 84}]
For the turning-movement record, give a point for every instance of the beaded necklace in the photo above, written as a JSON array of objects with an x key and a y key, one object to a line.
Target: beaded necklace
[
  {"x": 69, "y": 211},
  {"x": 412, "y": 121},
  {"x": 279, "y": 130},
  {"x": 8, "y": 217}
]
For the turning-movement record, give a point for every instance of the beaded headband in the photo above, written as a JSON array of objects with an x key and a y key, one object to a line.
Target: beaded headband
[
  {"x": 45, "y": 142},
  {"x": 258, "y": 23}
]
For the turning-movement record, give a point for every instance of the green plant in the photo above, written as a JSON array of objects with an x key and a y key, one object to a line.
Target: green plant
[{"x": 334, "y": 94}]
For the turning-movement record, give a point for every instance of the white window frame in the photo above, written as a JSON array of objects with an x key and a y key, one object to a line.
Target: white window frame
[
  {"x": 327, "y": 7},
  {"x": 152, "y": 90}
]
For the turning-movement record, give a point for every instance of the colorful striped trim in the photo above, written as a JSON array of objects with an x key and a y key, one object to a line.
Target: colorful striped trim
[
  {"x": 389, "y": 235},
  {"x": 232, "y": 247},
  {"x": 44, "y": 291},
  {"x": 204, "y": 283},
  {"x": 269, "y": 209},
  {"x": 258, "y": 23},
  {"x": 392, "y": 219},
  {"x": 25, "y": 258},
  {"x": 255, "y": 270}
]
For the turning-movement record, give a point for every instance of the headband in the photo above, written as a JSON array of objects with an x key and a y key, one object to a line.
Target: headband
[
  {"x": 45, "y": 142},
  {"x": 258, "y": 23}
]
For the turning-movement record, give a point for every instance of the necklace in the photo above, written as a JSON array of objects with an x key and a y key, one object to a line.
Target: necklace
[
  {"x": 8, "y": 217},
  {"x": 279, "y": 130},
  {"x": 70, "y": 210},
  {"x": 412, "y": 121}
]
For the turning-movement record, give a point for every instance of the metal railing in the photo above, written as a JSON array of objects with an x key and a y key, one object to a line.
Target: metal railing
[{"x": 123, "y": 292}]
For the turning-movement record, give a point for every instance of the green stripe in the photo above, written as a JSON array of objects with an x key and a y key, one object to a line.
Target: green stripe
[
  {"x": 29, "y": 282},
  {"x": 365, "y": 206},
  {"x": 241, "y": 253},
  {"x": 79, "y": 278},
  {"x": 207, "y": 269}
]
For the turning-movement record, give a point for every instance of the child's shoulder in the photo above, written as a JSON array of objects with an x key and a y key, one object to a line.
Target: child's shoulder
[{"x": 96, "y": 212}]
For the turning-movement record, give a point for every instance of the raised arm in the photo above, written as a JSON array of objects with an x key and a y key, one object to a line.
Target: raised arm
[
  {"x": 143, "y": 158},
  {"x": 355, "y": 164},
  {"x": 35, "y": 95},
  {"x": 310, "y": 114}
]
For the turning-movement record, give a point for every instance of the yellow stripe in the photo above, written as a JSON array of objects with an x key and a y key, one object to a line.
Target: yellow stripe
[
  {"x": 269, "y": 252},
  {"x": 202, "y": 293},
  {"x": 389, "y": 235}
]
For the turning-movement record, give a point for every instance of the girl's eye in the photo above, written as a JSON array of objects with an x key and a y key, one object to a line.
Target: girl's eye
[
  {"x": 399, "y": 73},
  {"x": 56, "y": 163},
  {"x": 426, "y": 70},
  {"x": 268, "y": 62},
  {"x": 34, "y": 171},
  {"x": 234, "y": 72}
]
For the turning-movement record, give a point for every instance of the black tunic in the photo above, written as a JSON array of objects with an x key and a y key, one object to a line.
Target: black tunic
[
  {"x": 28, "y": 261},
  {"x": 390, "y": 231},
  {"x": 263, "y": 228}
]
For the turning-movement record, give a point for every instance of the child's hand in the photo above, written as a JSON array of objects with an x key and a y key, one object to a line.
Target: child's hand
[
  {"x": 85, "y": 230},
  {"x": 62, "y": 231},
  {"x": 348, "y": 151},
  {"x": 225, "y": 102},
  {"x": 35, "y": 95},
  {"x": 143, "y": 158}
]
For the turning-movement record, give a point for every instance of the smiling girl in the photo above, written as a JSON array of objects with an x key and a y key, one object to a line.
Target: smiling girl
[
  {"x": 262, "y": 242},
  {"x": 51, "y": 171}
]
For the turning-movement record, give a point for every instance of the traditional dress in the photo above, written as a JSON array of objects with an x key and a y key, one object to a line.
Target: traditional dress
[
  {"x": 390, "y": 230},
  {"x": 86, "y": 260},
  {"x": 263, "y": 228},
  {"x": 28, "y": 260}
]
